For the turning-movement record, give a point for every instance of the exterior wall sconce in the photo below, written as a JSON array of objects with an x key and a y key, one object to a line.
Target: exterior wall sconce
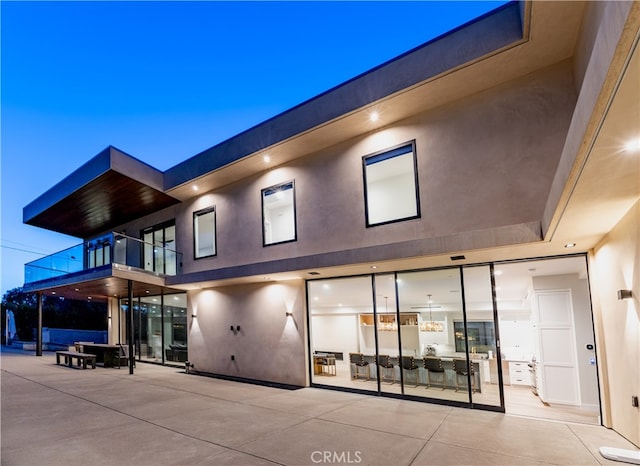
[
  {"x": 193, "y": 316},
  {"x": 288, "y": 314},
  {"x": 235, "y": 329},
  {"x": 624, "y": 294}
]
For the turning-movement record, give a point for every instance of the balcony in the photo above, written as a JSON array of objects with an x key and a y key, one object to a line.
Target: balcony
[{"x": 112, "y": 249}]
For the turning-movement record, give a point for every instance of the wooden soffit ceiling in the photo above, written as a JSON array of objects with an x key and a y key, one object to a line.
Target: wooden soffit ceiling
[{"x": 111, "y": 189}]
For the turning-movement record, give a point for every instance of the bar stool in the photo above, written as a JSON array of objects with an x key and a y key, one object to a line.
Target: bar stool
[
  {"x": 409, "y": 365},
  {"x": 358, "y": 365},
  {"x": 386, "y": 367},
  {"x": 465, "y": 369},
  {"x": 434, "y": 366}
]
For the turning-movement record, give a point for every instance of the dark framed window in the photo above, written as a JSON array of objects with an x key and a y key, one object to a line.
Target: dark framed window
[
  {"x": 391, "y": 185},
  {"x": 204, "y": 233},
  {"x": 159, "y": 254},
  {"x": 279, "y": 214}
]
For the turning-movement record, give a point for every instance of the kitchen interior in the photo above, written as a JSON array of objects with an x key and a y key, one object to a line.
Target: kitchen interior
[{"x": 547, "y": 355}]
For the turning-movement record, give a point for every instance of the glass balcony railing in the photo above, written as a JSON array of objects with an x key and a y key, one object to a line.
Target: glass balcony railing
[{"x": 114, "y": 248}]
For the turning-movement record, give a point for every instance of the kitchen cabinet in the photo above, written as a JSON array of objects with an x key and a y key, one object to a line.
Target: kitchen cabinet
[{"x": 519, "y": 373}]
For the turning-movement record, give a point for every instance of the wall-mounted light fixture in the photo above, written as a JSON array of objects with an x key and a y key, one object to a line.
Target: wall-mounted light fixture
[
  {"x": 235, "y": 329},
  {"x": 288, "y": 314},
  {"x": 193, "y": 316},
  {"x": 624, "y": 294}
]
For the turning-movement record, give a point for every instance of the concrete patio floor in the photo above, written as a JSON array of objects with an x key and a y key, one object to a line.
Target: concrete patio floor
[{"x": 56, "y": 415}]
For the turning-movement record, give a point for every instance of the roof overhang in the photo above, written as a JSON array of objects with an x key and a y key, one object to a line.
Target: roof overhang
[
  {"x": 402, "y": 87},
  {"x": 109, "y": 190}
]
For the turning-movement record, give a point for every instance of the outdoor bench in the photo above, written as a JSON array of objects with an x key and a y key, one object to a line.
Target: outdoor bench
[{"x": 82, "y": 358}]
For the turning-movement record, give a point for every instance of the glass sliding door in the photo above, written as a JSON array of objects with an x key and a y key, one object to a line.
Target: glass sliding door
[
  {"x": 481, "y": 337},
  {"x": 547, "y": 341},
  {"x": 386, "y": 361},
  {"x": 159, "y": 249},
  {"x": 151, "y": 337},
  {"x": 175, "y": 328},
  {"x": 342, "y": 332},
  {"x": 428, "y": 334},
  {"x": 430, "y": 308}
]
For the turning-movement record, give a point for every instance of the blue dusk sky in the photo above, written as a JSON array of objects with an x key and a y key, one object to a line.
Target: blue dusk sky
[{"x": 163, "y": 81}]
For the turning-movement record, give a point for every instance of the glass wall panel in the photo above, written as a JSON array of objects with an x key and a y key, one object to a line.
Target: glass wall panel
[
  {"x": 342, "y": 332},
  {"x": 151, "y": 339},
  {"x": 158, "y": 252},
  {"x": 387, "y": 368},
  {"x": 481, "y": 335},
  {"x": 149, "y": 263},
  {"x": 175, "y": 328},
  {"x": 430, "y": 307},
  {"x": 170, "y": 262}
]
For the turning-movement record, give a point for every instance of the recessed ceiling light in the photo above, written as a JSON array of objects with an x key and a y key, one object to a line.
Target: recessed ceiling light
[
  {"x": 570, "y": 245},
  {"x": 374, "y": 267},
  {"x": 374, "y": 116},
  {"x": 266, "y": 158},
  {"x": 194, "y": 187},
  {"x": 632, "y": 145},
  {"x": 53, "y": 292}
]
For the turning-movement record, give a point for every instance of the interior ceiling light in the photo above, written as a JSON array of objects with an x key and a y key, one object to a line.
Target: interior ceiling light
[
  {"x": 430, "y": 325},
  {"x": 632, "y": 145}
]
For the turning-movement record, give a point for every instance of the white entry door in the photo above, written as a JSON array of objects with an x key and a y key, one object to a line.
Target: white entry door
[{"x": 557, "y": 364}]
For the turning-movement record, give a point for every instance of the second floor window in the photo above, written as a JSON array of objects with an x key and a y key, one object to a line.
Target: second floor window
[
  {"x": 391, "y": 185},
  {"x": 204, "y": 233},
  {"x": 159, "y": 252},
  {"x": 278, "y": 214}
]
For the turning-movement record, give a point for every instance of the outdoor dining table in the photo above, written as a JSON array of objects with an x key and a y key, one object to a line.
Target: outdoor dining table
[{"x": 105, "y": 354}]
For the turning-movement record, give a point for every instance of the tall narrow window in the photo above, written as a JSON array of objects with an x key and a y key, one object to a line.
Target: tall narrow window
[
  {"x": 391, "y": 185},
  {"x": 159, "y": 253},
  {"x": 278, "y": 214},
  {"x": 204, "y": 233}
]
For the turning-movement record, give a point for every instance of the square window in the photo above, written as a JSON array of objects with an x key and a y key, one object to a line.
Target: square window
[
  {"x": 391, "y": 185},
  {"x": 204, "y": 233},
  {"x": 278, "y": 214}
]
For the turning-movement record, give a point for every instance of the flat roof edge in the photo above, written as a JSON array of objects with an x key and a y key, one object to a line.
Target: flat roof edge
[{"x": 471, "y": 41}]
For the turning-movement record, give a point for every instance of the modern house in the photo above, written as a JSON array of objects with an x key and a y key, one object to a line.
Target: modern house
[{"x": 459, "y": 225}]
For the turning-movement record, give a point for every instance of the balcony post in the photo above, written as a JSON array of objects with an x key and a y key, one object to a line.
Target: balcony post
[
  {"x": 39, "y": 331},
  {"x": 130, "y": 326}
]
